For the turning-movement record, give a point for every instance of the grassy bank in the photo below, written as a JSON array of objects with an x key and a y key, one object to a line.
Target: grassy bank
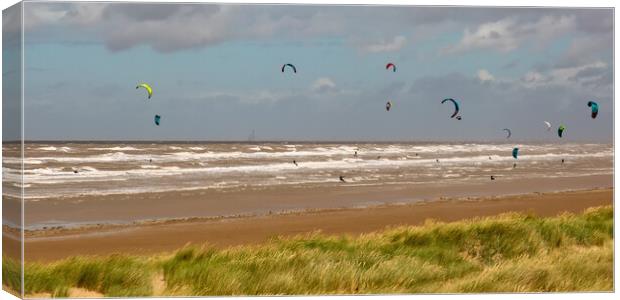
[{"x": 511, "y": 252}]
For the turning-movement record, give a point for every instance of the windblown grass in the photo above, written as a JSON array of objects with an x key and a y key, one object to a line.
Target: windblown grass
[{"x": 508, "y": 253}]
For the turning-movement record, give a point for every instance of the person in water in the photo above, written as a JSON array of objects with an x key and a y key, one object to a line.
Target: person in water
[
  {"x": 562, "y": 160},
  {"x": 294, "y": 162},
  {"x": 75, "y": 171},
  {"x": 437, "y": 159},
  {"x": 355, "y": 155},
  {"x": 342, "y": 178},
  {"x": 492, "y": 177}
]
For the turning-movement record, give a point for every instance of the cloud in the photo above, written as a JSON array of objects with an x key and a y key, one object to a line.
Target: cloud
[
  {"x": 484, "y": 75},
  {"x": 324, "y": 85},
  {"x": 397, "y": 43},
  {"x": 532, "y": 78},
  {"x": 507, "y": 34},
  {"x": 174, "y": 27},
  {"x": 592, "y": 74},
  {"x": 184, "y": 28},
  {"x": 587, "y": 48}
]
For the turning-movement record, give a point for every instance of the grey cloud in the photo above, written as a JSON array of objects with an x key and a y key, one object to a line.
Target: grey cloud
[
  {"x": 172, "y": 27},
  {"x": 595, "y": 20},
  {"x": 143, "y": 12},
  {"x": 587, "y": 48}
]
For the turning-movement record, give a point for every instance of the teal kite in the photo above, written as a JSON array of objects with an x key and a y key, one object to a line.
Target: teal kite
[
  {"x": 456, "y": 106},
  {"x": 594, "y": 107},
  {"x": 289, "y": 65}
]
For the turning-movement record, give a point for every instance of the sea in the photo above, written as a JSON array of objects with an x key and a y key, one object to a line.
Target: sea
[{"x": 76, "y": 169}]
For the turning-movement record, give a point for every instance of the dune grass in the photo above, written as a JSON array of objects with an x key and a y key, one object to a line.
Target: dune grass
[{"x": 507, "y": 253}]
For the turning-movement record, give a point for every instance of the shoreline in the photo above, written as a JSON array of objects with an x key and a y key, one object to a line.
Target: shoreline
[
  {"x": 167, "y": 235},
  {"x": 67, "y": 230}
]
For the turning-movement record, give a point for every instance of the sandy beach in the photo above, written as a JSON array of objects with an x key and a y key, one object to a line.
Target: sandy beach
[
  {"x": 167, "y": 236},
  {"x": 88, "y": 198}
]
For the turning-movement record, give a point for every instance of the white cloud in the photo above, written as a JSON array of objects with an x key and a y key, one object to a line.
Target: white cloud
[
  {"x": 489, "y": 35},
  {"x": 507, "y": 34},
  {"x": 567, "y": 76},
  {"x": 397, "y": 43},
  {"x": 323, "y": 85},
  {"x": 484, "y": 75},
  {"x": 534, "y": 78}
]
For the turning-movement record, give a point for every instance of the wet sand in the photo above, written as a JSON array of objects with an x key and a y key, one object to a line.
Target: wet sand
[
  {"x": 254, "y": 201},
  {"x": 224, "y": 232}
]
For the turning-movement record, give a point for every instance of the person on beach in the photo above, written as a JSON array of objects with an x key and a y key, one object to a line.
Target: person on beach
[
  {"x": 342, "y": 178},
  {"x": 294, "y": 162}
]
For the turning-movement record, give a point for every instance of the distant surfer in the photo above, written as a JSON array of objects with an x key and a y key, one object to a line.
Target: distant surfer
[
  {"x": 355, "y": 155},
  {"x": 294, "y": 162},
  {"x": 437, "y": 160},
  {"x": 342, "y": 178},
  {"x": 75, "y": 171},
  {"x": 562, "y": 161},
  {"x": 492, "y": 177}
]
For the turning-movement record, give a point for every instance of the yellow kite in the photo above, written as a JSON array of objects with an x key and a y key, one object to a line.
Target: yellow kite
[{"x": 147, "y": 87}]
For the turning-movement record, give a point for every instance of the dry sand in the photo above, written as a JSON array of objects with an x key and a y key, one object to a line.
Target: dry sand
[{"x": 169, "y": 236}]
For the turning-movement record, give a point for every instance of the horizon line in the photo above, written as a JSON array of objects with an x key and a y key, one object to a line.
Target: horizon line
[{"x": 301, "y": 141}]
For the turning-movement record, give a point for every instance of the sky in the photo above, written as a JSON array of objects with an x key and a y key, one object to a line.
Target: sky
[{"x": 215, "y": 72}]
